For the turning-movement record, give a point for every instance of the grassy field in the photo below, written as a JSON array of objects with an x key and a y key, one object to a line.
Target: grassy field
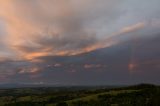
[{"x": 140, "y": 95}]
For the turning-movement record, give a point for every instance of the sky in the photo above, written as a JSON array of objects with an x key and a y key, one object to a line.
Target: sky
[{"x": 80, "y": 42}]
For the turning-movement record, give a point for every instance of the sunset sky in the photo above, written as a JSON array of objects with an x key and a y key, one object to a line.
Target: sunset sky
[{"x": 80, "y": 42}]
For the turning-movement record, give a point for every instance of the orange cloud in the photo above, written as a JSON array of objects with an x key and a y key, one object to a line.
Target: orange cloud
[
  {"x": 133, "y": 27},
  {"x": 40, "y": 25},
  {"x": 36, "y": 28},
  {"x": 88, "y": 66},
  {"x": 32, "y": 70}
]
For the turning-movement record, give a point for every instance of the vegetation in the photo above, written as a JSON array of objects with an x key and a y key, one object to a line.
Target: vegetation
[{"x": 140, "y": 95}]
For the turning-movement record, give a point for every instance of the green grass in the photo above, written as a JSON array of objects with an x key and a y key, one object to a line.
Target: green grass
[{"x": 94, "y": 96}]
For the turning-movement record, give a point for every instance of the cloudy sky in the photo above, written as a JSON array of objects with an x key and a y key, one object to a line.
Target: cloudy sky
[{"x": 80, "y": 41}]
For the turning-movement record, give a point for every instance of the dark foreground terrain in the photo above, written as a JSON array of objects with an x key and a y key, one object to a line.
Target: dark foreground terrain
[{"x": 140, "y": 95}]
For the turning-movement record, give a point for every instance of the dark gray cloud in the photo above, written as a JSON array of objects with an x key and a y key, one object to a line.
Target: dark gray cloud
[{"x": 134, "y": 61}]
